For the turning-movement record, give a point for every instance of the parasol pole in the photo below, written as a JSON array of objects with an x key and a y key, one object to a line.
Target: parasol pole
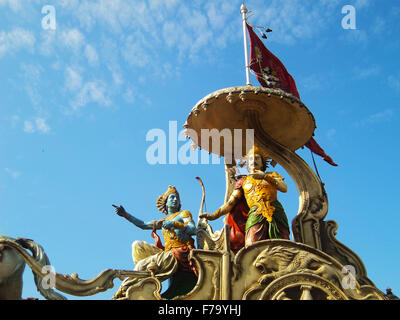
[{"x": 243, "y": 11}]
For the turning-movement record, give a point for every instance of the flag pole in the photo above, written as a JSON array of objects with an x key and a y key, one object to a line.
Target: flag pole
[{"x": 243, "y": 11}]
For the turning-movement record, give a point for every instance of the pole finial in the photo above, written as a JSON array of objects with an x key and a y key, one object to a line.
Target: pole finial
[{"x": 243, "y": 8}]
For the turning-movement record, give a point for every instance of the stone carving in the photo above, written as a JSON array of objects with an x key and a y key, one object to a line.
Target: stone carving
[
  {"x": 12, "y": 266},
  {"x": 275, "y": 262},
  {"x": 207, "y": 239},
  {"x": 342, "y": 253},
  {"x": 302, "y": 286},
  {"x": 268, "y": 269},
  {"x": 70, "y": 284},
  {"x": 278, "y": 259},
  {"x": 145, "y": 289},
  {"x": 160, "y": 265}
]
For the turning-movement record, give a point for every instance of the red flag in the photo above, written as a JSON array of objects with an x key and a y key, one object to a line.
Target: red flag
[
  {"x": 314, "y": 147},
  {"x": 269, "y": 70},
  {"x": 271, "y": 73}
]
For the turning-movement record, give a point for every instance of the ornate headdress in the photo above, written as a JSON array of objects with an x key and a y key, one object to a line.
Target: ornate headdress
[
  {"x": 162, "y": 200},
  {"x": 257, "y": 150}
]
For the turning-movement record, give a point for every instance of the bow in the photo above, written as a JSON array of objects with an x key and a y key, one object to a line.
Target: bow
[{"x": 203, "y": 198}]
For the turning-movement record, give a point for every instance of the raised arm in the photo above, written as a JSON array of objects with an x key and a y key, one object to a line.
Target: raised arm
[
  {"x": 137, "y": 222},
  {"x": 227, "y": 207}
]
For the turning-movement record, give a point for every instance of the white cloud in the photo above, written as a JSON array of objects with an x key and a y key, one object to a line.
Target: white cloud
[
  {"x": 15, "y": 5},
  {"x": 42, "y": 126},
  {"x": 36, "y": 125},
  {"x": 141, "y": 32},
  {"x": 379, "y": 26},
  {"x": 143, "y": 25},
  {"x": 129, "y": 96},
  {"x": 32, "y": 72},
  {"x": 14, "y": 120},
  {"x": 136, "y": 52},
  {"x": 190, "y": 34},
  {"x": 117, "y": 77},
  {"x": 116, "y": 15},
  {"x": 195, "y": 27},
  {"x": 48, "y": 42},
  {"x": 73, "y": 39},
  {"x": 331, "y": 133},
  {"x": 355, "y": 36},
  {"x": 291, "y": 20},
  {"x": 14, "y": 174},
  {"x": 73, "y": 80},
  {"x": 94, "y": 91},
  {"x": 88, "y": 92},
  {"x": 32, "y": 80},
  {"x": 394, "y": 83},
  {"x": 379, "y": 117},
  {"x": 91, "y": 55},
  {"x": 15, "y": 40},
  {"x": 29, "y": 127},
  {"x": 367, "y": 71},
  {"x": 359, "y": 4},
  {"x": 312, "y": 82},
  {"x": 218, "y": 13}
]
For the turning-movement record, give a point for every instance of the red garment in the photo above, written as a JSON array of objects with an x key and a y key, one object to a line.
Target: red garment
[
  {"x": 181, "y": 254},
  {"x": 158, "y": 242},
  {"x": 259, "y": 232},
  {"x": 236, "y": 221}
]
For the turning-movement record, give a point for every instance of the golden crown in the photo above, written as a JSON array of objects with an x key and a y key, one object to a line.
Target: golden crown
[
  {"x": 257, "y": 150},
  {"x": 162, "y": 200}
]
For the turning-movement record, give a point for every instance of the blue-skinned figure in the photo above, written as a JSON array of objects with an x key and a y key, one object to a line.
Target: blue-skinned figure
[{"x": 177, "y": 227}]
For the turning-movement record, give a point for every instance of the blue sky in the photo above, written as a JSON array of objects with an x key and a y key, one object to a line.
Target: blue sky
[{"x": 77, "y": 102}]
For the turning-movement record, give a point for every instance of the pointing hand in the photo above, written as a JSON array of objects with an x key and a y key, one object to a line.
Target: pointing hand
[{"x": 120, "y": 210}]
